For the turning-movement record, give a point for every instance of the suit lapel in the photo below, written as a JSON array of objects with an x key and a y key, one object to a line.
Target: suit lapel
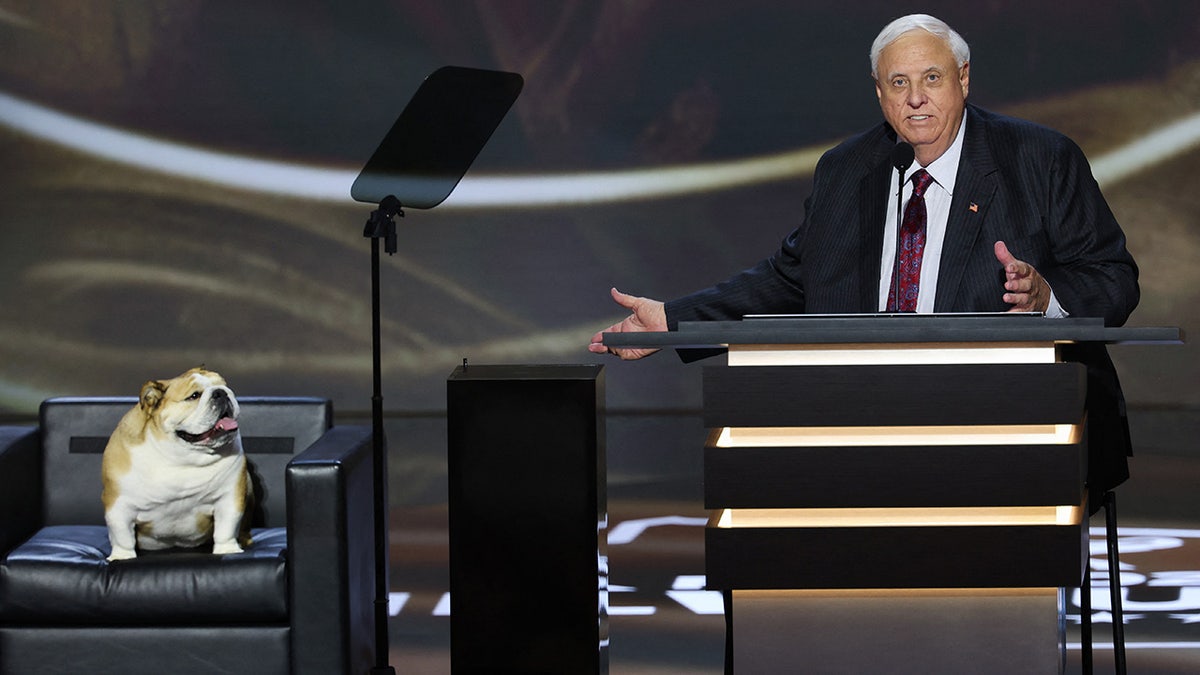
[
  {"x": 873, "y": 196},
  {"x": 974, "y": 187}
]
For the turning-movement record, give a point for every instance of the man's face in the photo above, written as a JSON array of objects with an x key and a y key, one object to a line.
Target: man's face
[{"x": 922, "y": 92}]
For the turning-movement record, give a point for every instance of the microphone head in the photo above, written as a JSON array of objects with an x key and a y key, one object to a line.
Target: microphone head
[{"x": 902, "y": 156}]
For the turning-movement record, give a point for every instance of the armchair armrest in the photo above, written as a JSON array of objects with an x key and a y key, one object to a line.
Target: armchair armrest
[
  {"x": 20, "y": 485},
  {"x": 331, "y": 548}
]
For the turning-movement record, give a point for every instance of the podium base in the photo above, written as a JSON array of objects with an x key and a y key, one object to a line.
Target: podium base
[{"x": 916, "y": 631}]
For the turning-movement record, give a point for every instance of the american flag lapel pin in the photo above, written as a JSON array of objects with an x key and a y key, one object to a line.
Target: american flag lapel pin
[{"x": 974, "y": 207}]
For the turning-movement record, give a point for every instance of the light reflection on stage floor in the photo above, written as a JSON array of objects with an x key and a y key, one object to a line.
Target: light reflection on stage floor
[{"x": 663, "y": 623}]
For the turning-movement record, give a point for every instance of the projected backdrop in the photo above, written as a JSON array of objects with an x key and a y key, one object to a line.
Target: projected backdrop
[{"x": 175, "y": 183}]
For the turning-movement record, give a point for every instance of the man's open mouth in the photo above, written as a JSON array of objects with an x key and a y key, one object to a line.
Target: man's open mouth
[{"x": 225, "y": 425}]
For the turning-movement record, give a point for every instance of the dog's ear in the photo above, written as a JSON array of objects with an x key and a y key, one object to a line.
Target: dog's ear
[{"x": 152, "y": 395}]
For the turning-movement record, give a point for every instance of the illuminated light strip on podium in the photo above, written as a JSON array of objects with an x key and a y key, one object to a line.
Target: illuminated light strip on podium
[
  {"x": 900, "y": 517},
  {"x": 1020, "y": 434},
  {"x": 891, "y": 354}
]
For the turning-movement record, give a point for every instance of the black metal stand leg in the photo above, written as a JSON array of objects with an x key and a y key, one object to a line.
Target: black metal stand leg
[
  {"x": 1085, "y": 616},
  {"x": 380, "y": 226},
  {"x": 727, "y": 597},
  {"x": 1114, "y": 581}
]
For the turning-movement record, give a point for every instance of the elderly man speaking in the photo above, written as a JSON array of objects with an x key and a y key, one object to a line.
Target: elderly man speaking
[{"x": 999, "y": 214}]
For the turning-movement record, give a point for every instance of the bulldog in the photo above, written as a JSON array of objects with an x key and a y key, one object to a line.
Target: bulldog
[{"x": 174, "y": 473}]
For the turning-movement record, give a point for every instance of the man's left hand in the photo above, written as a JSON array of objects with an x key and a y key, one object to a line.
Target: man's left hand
[{"x": 1027, "y": 289}]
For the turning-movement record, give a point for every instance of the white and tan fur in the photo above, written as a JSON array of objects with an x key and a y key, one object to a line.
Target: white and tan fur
[{"x": 174, "y": 472}]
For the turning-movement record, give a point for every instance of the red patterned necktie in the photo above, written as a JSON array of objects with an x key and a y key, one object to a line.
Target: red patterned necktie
[{"x": 912, "y": 245}]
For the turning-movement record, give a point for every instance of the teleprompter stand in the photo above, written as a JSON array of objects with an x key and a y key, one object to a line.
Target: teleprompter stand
[{"x": 417, "y": 165}]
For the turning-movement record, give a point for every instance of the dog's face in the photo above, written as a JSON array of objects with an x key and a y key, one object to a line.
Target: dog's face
[{"x": 197, "y": 408}]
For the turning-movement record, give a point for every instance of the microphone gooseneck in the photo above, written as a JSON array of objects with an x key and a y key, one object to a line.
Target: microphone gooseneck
[{"x": 902, "y": 158}]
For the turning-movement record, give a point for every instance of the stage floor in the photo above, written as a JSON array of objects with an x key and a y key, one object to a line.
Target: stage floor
[{"x": 662, "y": 621}]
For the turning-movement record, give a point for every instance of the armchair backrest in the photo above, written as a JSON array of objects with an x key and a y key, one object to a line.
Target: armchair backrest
[{"x": 74, "y": 432}]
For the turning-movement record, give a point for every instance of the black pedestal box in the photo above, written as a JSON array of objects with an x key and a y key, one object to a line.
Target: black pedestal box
[{"x": 528, "y": 510}]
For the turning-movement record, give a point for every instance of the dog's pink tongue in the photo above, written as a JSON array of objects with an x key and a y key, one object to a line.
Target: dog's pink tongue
[{"x": 226, "y": 424}]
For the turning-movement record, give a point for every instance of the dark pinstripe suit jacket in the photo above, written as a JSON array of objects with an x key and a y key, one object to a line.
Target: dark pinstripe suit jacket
[{"x": 1018, "y": 182}]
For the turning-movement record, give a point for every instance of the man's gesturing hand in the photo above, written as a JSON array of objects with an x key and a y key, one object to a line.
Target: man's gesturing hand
[
  {"x": 1027, "y": 289},
  {"x": 646, "y": 316}
]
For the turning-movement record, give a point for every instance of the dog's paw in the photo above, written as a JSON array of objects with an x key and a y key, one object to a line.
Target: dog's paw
[
  {"x": 227, "y": 547},
  {"x": 121, "y": 554}
]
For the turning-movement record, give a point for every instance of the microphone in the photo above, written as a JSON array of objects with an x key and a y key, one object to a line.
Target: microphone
[{"x": 902, "y": 158}]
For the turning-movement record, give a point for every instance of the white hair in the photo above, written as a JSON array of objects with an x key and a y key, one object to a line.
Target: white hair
[{"x": 906, "y": 24}]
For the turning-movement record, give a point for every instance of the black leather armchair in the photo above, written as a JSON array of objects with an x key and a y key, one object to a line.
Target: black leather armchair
[{"x": 298, "y": 600}]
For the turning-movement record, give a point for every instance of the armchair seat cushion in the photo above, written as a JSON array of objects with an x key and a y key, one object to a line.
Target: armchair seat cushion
[{"x": 61, "y": 576}]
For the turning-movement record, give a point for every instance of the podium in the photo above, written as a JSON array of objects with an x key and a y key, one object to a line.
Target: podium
[{"x": 895, "y": 493}]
